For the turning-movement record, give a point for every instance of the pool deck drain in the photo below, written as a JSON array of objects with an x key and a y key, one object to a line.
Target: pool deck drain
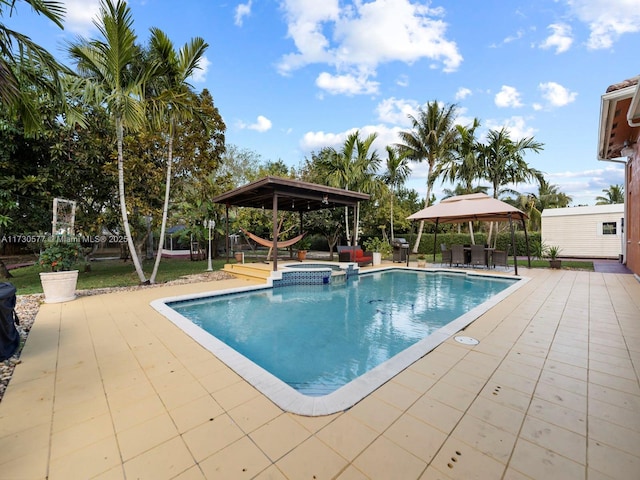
[{"x": 466, "y": 340}]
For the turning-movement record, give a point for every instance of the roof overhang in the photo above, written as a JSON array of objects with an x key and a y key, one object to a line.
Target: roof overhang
[
  {"x": 291, "y": 195},
  {"x": 619, "y": 124}
]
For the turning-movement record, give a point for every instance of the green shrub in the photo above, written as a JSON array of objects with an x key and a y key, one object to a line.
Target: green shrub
[{"x": 59, "y": 255}]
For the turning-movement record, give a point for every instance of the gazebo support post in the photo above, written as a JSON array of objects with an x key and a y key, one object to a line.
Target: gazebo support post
[
  {"x": 275, "y": 231},
  {"x": 513, "y": 244},
  {"x": 300, "y": 214},
  {"x": 435, "y": 237},
  {"x": 355, "y": 227},
  {"x": 227, "y": 241},
  {"x": 526, "y": 240}
]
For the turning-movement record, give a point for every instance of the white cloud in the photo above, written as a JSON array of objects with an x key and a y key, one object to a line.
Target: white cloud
[
  {"x": 556, "y": 94},
  {"x": 586, "y": 185},
  {"x": 200, "y": 74},
  {"x": 512, "y": 38},
  {"x": 80, "y": 15},
  {"x": 560, "y": 38},
  {"x": 516, "y": 125},
  {"x": 346, "y": 84},
  {"x": 462, "y": 93},
  {"x": 608, "y": 20},
  {"x": 508, "y": 97},
  {"x": 262, "y": 124},
  {"x": 365, "y": 35},
  {"x": 396, "y": 111},
  {"x": 242, "y": 10},
  {"x": 403, "y": 81},
  {"x": 315, "y": 141}
]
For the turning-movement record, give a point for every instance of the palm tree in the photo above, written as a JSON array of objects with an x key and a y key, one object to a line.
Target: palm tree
[
  {"x": 109, "y": 76},
  {"x": 24, "y": 63},
  {"x": 171, "y": 103},
  {"x": 397, "y": 172},
  {"x": 463, "y": 166},
  {"x": 433, "y": 139},
  {"x": 613, "y": 194},
  {"x": 503, "y": 163},
  {"x": 351, "y": 168},
  {"x": 534, "y": 204}
]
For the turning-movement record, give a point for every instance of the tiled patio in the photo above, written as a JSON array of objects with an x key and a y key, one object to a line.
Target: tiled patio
[{"x": 110, "y": 389}]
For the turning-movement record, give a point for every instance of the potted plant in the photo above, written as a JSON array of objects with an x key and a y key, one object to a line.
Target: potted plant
[
  {"x": 422, "y": 261},
  {"x": 553, "y": 252},
  {"x": 59, "y": 281},
  {"x": 378, "y": 247},
  {"x": 303, "y": 245}
]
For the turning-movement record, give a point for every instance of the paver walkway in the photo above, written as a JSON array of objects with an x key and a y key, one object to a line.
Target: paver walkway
[{"x": 109, "y": 389}]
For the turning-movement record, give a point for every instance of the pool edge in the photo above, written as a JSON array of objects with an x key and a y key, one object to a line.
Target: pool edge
[{"x": 348, "y": 395}]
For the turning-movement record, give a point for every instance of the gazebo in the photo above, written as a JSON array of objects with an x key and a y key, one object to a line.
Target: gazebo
[
  {"x": 471, "y": 208},
  {"x": 278, "y": 193}
]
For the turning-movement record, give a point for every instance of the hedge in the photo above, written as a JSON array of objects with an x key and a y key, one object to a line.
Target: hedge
[{"x": 504, "y": 239}]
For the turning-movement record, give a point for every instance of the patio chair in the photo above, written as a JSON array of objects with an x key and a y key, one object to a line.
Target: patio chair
[
  {"x": 478, "y": 255},
  {"x": 446, "y": 254},
  {"x": 501, "y": 257},
  {"x": 457, "y": 255}
]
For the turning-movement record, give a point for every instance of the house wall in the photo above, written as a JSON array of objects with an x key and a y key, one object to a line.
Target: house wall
[
  {"x": 578, "y": 231},
  {"x": 632, "y": 229}
]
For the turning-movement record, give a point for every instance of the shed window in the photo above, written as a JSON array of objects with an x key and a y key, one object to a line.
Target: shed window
[{"x": 609, "y": 228}]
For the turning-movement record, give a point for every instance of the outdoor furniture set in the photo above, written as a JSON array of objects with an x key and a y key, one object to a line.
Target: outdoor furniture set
[{"x": 473, "y": 256}]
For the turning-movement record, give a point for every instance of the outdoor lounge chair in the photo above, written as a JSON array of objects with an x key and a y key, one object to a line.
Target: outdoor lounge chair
[
  {"x": 349, "y": 254},
  {"x": 478, "y": 255},
  {"x": 457, "y": 255},
  {"x": 446, "y": 254}
]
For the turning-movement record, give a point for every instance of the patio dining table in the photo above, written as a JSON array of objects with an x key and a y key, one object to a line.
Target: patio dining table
[{"x": 488, "y": 252}]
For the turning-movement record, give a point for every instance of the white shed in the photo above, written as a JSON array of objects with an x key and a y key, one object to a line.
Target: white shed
[{"x": 587, "y": 232}]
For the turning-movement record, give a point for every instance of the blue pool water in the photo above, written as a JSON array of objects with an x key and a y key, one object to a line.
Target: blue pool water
[{"x": 318, "y": 338}]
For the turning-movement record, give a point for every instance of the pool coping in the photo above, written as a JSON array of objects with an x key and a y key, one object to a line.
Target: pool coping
[{"x": 290, "y": 400}]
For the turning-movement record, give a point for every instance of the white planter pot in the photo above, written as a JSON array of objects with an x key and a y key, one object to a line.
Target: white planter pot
[
  {"x": 377, "y": 258},
  {"x": 59, "y": 286}
]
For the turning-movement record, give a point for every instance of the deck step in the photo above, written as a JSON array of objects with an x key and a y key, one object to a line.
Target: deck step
[{"x": 249, "y": 271}]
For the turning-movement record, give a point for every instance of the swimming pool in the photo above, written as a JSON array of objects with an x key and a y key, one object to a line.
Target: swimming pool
[{"x": 319, "y": 349}]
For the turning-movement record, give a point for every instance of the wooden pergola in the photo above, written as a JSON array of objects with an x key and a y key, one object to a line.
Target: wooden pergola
[{"x": 277, "y": 193}]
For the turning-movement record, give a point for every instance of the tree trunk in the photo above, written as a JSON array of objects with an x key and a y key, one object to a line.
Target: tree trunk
[
  {"x": 4, "y": 271},
  {"x": 165, "y": 209},
  {"x": 346, "y": 225},
  {"x": 123, "y": 204},
  {"x": 392, "y": 238},
  {"x": 426, "y": 204}
]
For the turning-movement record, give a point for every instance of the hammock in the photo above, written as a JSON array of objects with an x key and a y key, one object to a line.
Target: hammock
[{"x": 269, "y": 243}]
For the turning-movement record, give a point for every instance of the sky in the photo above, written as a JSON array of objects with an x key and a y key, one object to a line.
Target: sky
[{"x": 290, "y": 77}]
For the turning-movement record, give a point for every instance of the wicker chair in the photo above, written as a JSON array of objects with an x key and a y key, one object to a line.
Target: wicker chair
[
  {"x": 478, "y": 255},
  {"x": 457, "y": 255},
  {"x": 501, "y": 257},
  {"x": 446, "y": 254}
]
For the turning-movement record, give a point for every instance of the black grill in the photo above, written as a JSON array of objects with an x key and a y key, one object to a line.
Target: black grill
[{"x": 400, "y": 249}]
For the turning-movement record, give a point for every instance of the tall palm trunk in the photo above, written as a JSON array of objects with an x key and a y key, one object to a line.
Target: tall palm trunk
[
  {"x": 392, "y": 238},
  {"x": 428, "y": 196},
  {"x": 165, "y": 208},
  {"x": 123, "y": 203},
  {"x": 346, "y": 225}
]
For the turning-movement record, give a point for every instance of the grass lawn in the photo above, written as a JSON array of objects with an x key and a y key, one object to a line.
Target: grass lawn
[
  {"x": 535, "y": 263},
  {"x": 112, "y": 273},
  {"x": 116, "y": 273}
]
